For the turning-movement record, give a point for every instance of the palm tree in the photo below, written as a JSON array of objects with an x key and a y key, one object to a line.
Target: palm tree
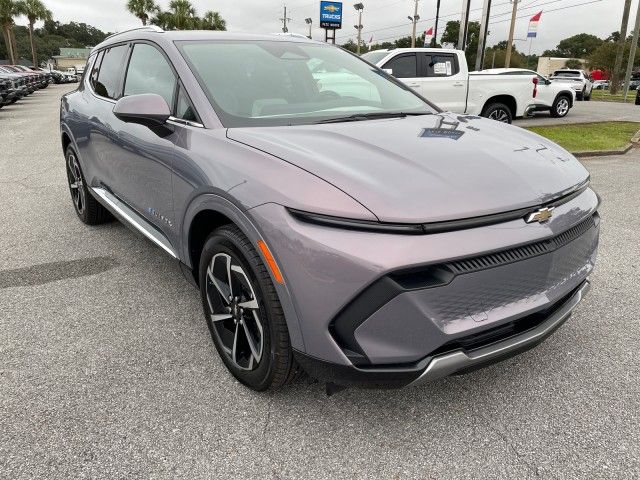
[
  {"x": 182, "y": 14},
  {"x": 213, "y": 21},
  {"x": 8, "y": 10},
  {"x": 34, "y": 10},
  {"x": 142, "y": 9},
  {"x": 162, "y": 20}
]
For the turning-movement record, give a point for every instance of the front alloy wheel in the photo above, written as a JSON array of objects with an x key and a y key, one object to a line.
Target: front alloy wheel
[
  {"x": 235, "y": 313},
  {"x": 243, "y": 311}
]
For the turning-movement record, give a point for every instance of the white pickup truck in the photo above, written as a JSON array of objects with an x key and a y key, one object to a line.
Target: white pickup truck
[{"x": 442, "y": 76}]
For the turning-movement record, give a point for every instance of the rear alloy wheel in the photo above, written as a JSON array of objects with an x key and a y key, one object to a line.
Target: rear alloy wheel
[
  {"x": 560, "y": 107},
  {"x": 498, "y": 112},
  {"x": 243, "y": 311}
]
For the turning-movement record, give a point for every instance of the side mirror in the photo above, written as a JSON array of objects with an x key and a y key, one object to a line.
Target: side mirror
[{"x": 147, "y": 109}]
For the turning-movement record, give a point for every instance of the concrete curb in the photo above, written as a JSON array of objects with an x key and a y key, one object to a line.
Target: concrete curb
[{"x": 634, "y": 142}]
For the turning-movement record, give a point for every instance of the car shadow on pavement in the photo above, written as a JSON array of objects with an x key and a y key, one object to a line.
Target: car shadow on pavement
[{"x": 54, "y": 271}]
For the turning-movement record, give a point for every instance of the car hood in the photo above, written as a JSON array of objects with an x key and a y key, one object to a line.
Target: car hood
[{"x": 426, "y": 168}]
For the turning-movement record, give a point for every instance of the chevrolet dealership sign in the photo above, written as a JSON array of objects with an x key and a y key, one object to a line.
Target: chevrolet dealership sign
[{"x": 331, "y": 15}]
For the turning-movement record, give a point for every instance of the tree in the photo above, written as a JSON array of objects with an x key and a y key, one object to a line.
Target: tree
[
  {"x": 142, "y": 9},
  {"x": 183, "y": 15},
  {"x": 578, "y": 46},
  {"x": 162, "y": 20},
  {"x": 451, "y": 33},
  {"x": 604, "y": 57},
  {"x": 35, "y": 10},
  {"x": 213, "y": 21},
  {"x": 573, "y": 63},
  {"x": 350, "y": 45},
  {"x": 8, "y": 10},
  {"x": 495, "y": 57}
]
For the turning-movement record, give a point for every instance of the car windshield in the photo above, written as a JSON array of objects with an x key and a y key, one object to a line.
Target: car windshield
[
  {"x": 375, "y": 56},
  {"x": 291, "y": 83}
]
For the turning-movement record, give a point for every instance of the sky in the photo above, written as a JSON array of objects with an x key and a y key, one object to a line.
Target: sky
[{"x": 383, "y": 20}]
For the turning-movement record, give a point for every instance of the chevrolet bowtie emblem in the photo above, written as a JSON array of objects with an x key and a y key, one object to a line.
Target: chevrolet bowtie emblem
[
  {"x": 540, "y": 216},
  {"x": 331, "y": 8}
]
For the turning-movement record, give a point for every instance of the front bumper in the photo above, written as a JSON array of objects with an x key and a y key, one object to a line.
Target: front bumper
[
  {"x": 374, "y": 307},
  {"x": 457, "y": 361}
]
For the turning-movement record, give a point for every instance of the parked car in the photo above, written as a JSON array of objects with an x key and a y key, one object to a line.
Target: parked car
[
  {"x": 581, "y": 82},
  {"x": 39, "y": 80},
  {"x": 442, "y": 76},
  {"x": 557, "y": 98},
  {"x": 369, "y": 242},
  {"x": 21, "y": 82},
  {"x": 7, "y": 93},
  {"x": 601, "y": 84},
  {"x": 30, "y": 80}
]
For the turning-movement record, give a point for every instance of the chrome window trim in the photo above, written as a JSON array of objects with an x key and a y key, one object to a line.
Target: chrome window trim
[{"x": 188, "y": 123}]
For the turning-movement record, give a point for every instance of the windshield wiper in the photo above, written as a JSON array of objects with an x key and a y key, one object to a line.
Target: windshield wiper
[{"x": 357, "y": 117}]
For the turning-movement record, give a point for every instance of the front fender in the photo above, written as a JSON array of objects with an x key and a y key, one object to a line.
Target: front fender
[{"x": 242, "y": 220}]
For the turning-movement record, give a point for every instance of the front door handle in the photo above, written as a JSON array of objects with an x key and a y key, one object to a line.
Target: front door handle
[
  {"x": 458, "y": 84},
  {"x": 413, "y": 85}
]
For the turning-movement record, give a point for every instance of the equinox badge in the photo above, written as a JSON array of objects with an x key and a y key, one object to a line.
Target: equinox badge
[{"x": 540, "y": 216}]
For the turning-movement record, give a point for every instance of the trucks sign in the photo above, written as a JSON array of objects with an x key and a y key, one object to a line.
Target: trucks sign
[{"x": 331, "y": 15}]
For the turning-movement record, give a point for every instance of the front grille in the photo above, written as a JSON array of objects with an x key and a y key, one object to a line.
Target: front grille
[
  {"x": 505, "y": 331},
  {"x": 517, "y": 254}
]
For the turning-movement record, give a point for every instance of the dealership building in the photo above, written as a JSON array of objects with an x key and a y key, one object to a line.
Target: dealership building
[{"x": 71, "y": 57}]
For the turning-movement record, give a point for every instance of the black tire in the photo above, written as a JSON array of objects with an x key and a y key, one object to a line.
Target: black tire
[
  {"x": 580, "y": 95},
  {"x": 276, "y": 366},
  {"x": 88, "y": 209},
  {"x": 561, "y": 106},
  {"x": 498, "y": 112},
  {"x": 586, "y": 98}
]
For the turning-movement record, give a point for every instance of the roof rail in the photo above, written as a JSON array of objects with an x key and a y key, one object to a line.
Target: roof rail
[{"x": 151, "y": 28}]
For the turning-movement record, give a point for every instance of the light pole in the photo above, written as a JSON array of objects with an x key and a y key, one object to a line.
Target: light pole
[
  {"x": 632, "y": 54},
  {"x": 414, "y": 19},
  {"x": 507, "y": 59},
  {"x": 309, "y": 22},
  {"x": 359, "y": 8},
  {"x": 435, "y": 30}
]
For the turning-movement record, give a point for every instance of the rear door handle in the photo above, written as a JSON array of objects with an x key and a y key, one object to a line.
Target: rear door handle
[
  {"x": 412, "y": 85},
  {"x": 458, "y": 84}
]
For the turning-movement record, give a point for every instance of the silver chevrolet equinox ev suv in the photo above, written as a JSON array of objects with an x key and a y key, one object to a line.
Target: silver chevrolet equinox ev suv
[{"x": 334, "y": 220}]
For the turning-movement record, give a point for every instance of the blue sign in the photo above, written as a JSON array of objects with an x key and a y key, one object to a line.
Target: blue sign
[{"x": 330, "y": 15}]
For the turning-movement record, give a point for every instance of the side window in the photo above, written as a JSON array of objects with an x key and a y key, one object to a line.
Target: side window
[
  {"x": 441, "y": 65},
  {"x": 149, "y": 72},
  {"x": 403, "y": 66},
  {"x": 93, "y": 78},
  {"x": 184, "y": 108},
  {"x": 108, "y": 82}
]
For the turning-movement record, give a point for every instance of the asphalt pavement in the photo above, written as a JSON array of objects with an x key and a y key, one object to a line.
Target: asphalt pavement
[
  {"x": 107, "y": 369},
  {"x": 587, "y": 112}
]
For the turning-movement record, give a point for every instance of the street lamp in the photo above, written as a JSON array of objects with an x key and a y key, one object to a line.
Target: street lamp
[
  {"x": 309, "y": 22},
  {"x": 359, "y": 8},
  {"x": 414, "y": 21}
]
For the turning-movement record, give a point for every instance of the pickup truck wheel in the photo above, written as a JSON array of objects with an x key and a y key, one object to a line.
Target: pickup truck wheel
[
  {"x": 243, "y": 312},
  {"x": 89, "y": 210},
  {"x": 560, "y": 106},
  {"x": 499, "y": 112}
]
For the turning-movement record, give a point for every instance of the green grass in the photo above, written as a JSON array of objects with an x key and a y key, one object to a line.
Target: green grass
[
  {"x": 605, "y": 96},
  {"x": 588, "y": 137}
]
